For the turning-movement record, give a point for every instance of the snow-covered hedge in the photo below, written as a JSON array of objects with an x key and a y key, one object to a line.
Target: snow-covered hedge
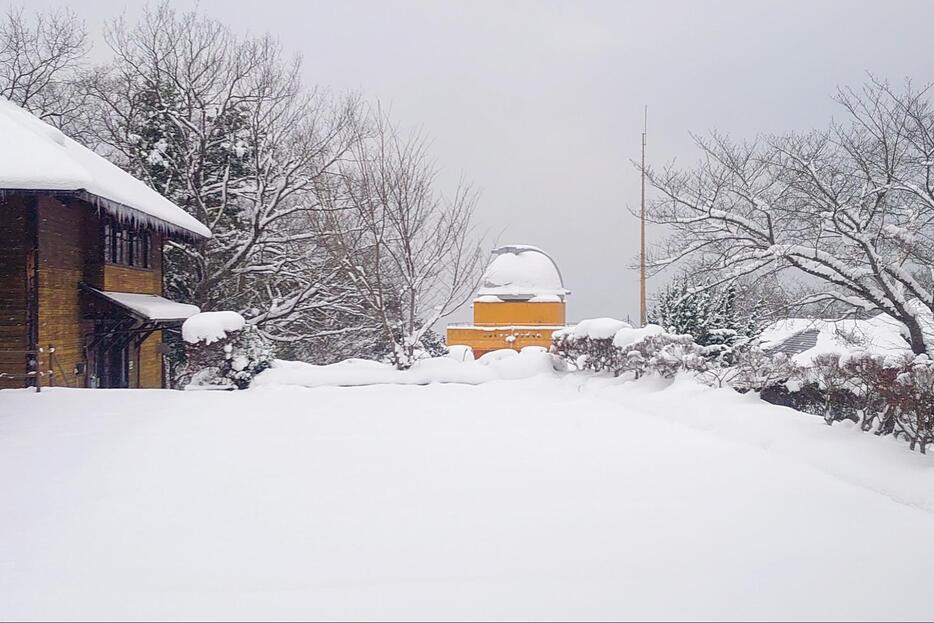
[
  {"x": 883, "y": 395},
  {"x": 608, "y": 345},
  {"x": 223, "y": 351}
]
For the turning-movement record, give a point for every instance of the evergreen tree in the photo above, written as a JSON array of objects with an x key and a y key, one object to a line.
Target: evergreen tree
[{"x": 709, "y": 315}]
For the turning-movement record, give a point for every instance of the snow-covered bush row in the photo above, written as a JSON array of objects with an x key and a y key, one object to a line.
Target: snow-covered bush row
[
  {"x": 608, "y": 345},
  {"x": 882, "y": 394},
  {"x": 458, "y": 367},
  {"x": 222, "y": 351}
]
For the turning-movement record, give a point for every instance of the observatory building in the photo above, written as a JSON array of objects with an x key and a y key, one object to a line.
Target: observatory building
[{"x": 521, "y": 302}]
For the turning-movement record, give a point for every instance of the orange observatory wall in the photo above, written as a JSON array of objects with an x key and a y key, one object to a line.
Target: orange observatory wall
[
  {"x": 518, "y": 313},
  {"x": 509, "y": 324}
]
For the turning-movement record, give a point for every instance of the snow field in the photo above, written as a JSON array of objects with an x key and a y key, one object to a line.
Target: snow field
[{"x": 543, "y": 498}]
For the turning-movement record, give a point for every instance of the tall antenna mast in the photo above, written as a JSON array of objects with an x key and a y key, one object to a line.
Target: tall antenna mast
[{"x": 642, "y": 309}]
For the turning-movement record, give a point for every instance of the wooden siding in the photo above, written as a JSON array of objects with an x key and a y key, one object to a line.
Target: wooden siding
[
  {"x": 129, "y": 279},
  {"x": 147, "y": 362},
  {"x": 150, "y": 368},
  {"x": 62, "y": 248},
  {"x": 13, "y": 245},
  {"x": 69, "y": 238},
  {"x": 115, "y": 277}
]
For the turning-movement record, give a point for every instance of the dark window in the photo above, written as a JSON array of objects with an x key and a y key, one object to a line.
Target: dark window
[
  {"x": 126, "y": 246},
  {"x": 122, "y": 246},
  {"x": 145, "y": 249},
  {"x": 109, "y": 241}
]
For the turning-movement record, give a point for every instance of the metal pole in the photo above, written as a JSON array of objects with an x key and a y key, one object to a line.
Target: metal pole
[{"x": 642, "y": 309}]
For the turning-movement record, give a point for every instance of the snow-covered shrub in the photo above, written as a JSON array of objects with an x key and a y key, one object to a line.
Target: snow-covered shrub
[
  {"x": 748, "y": 368},
  {"x": 911, "y": 402},
  {"x": 427, "y": 345},
  {"x": 585, "y": 353},
  {"x": 838, "y": 400},
  {"x": 883, "y": 396},
  {"x": 867, "y": 374},
  {"x": 607, "y": 345},
  {"x": 896, "y": 398},
  {"x": 886, "y": 397},
  {"x": 433, "y": 343},
  {"x": 224, "y": 351},
  {"x": 665, "y": 354}
]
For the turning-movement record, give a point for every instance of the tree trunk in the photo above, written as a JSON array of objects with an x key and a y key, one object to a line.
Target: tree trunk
[{"x": 916, "y": 335}]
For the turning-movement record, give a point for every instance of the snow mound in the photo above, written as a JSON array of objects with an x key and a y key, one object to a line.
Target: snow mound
[
  {"x": 209, "y": 327},
  {"x": 460, "y": 352},
  {"x": 622, "y": 333},
  {"x": 37, "y": 156},
  {"x": 629, "y": 336},
  {"x": 594, "y": 328},
  {"x": 505, "y": 364},
  {"x": 522, "y": 272}
]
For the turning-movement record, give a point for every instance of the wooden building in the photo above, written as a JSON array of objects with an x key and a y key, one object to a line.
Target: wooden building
[
  {"x": 520, "y": 303},
  {"x": 80, "y": 263}
]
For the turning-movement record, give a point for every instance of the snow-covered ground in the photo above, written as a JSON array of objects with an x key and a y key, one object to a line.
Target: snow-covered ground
[{"x": 542, "y": 498}]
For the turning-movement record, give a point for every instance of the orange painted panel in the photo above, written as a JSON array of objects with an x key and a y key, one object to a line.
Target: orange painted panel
[
  {"x": 519, "y": 313},
  {"x": 486, "y": 340}
]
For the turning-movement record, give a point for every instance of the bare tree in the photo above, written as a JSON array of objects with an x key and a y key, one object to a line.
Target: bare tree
[
  {"x": 851, "y": 208},
  {"x": 410, "y": 253},
  {"x": 41, "y": 65},
  {"x": 223, "y": 126}
]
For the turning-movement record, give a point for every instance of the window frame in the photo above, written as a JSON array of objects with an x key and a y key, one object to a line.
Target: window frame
[{"x": 126, "y": 246}]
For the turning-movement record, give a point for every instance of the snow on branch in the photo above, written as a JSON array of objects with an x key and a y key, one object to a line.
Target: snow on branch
[{"x": 851, "y": 207}]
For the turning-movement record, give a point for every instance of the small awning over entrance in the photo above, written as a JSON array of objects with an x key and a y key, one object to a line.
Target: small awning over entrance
[
  {"x": 149, "y": 307},
  {"x": 122, "y": 322}
]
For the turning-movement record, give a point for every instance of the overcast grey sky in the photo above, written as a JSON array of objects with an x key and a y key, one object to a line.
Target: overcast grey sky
[{"x": 539, "y": 104}]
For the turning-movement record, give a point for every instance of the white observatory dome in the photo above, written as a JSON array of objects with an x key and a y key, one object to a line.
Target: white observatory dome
[{"x": 521, "y": 272}]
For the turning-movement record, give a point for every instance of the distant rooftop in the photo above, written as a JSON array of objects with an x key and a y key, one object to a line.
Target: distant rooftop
[{"x": 803, "y": 339}]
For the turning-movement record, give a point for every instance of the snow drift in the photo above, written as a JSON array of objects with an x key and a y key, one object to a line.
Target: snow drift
[{"x": 497, "y": 365}]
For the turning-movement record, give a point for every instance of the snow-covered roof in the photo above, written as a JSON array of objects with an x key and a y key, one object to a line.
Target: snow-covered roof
[
  {"x": 150, "y": 306},
  {"x": 803, "y": 339},
  {"x": 522, "y": 272},
  {"x": 37, "y": 156}
]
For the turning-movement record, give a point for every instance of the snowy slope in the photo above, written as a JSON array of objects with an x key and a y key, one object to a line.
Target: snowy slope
[{"x": 541, "y": 498}]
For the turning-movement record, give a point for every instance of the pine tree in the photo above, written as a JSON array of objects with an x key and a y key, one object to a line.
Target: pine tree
[{"x": 709, "y": 315}]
